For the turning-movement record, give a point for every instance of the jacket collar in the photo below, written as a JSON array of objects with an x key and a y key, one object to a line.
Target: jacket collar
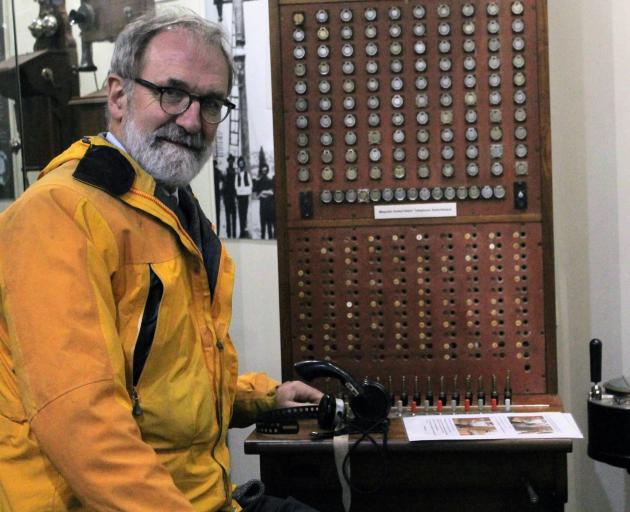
[
  {"x": 104, "y": 166},
  {"x": 112, "y": 170}
]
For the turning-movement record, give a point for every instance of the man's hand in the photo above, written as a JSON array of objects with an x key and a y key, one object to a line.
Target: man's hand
[{"x": 294, "y": 393}]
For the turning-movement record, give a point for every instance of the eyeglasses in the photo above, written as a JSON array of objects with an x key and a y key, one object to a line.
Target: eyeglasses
[{"x": 175, "y": 101}]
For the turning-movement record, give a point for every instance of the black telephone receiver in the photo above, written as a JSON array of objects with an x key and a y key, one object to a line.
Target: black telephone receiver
[{"x": 368, "y": 400}]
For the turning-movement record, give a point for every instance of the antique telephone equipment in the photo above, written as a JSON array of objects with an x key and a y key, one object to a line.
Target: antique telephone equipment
[
  {"x": 45, "y": 84},
  {"x": 608, "y": 414},
  {"x": 103, "y": 20},
  {"x": 42, "y": 82},
  {"x": 368, "y": 401},
  {"x": 368, "y": 404}
]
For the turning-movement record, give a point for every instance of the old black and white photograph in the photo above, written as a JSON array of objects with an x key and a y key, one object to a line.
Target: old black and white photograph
[{"x": 244, "y": 177}]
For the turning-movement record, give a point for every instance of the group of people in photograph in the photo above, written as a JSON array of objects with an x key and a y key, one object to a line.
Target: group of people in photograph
[{"x": 234, "y": 188}]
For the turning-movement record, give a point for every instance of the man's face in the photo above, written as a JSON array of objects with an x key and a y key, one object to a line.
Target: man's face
[{"x": 174, "y": 148}]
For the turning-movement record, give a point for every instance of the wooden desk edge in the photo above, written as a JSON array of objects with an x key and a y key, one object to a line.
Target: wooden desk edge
[{"x": 257, "y": 444}]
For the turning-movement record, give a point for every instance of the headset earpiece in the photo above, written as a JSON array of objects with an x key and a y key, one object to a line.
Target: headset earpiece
[
  {"x": 330, "y": 412},
  {"x": 372, "y": 405}
]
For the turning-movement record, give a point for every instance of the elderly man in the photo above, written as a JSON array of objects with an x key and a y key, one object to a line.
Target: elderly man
[{"x": 118, "y": 378}]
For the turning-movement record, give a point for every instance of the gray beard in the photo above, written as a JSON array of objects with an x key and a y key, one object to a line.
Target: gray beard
[{"x": 171, "y": 164}]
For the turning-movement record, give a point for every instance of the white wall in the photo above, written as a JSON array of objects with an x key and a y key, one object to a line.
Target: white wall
[
  {"x": 590, "y": 119},
  {"x": 621, "y": 63},
  {"x": 255, "y": 329}
]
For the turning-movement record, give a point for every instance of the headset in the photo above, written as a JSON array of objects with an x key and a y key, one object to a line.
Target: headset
[{"x": 368, "y": 401}]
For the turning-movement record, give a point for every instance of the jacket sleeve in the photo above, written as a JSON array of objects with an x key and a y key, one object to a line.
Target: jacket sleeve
[
  {"x": 255, "y": 393},
  {"x": 56, "y": 260}
]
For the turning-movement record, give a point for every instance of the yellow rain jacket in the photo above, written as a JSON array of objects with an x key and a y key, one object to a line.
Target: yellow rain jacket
[{"x": 118, "y": 378}]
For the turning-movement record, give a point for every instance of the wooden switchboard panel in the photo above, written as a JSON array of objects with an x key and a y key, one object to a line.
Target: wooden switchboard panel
[{"x": 414, "y": 189}]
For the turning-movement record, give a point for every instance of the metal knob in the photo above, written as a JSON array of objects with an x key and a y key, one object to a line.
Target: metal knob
[{"x": 16, "y": 145}]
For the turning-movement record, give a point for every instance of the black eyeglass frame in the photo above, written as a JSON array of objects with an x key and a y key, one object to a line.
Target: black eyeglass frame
[{"x": 161, "y": 89}]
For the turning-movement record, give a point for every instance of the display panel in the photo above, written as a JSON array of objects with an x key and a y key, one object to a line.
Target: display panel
[
  {"x": 416, "y": 188},
  {"x": 389, "y": 102},
  {"x": 421, "y": 300}
]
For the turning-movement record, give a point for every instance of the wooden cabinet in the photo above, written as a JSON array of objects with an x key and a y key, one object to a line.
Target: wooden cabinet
[{"x": 521, "y": 475}]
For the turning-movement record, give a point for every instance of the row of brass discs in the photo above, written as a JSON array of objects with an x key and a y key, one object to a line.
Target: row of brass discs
[
  {"x": 447, "y": 153},
  {"x": 387, "y": 194},
  {"x": 423, "y": 171},
  {"x": 419, "y": 12}
]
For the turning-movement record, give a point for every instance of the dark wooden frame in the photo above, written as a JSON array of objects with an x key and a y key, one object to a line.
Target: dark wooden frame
[{"x": 546, "y": 216}]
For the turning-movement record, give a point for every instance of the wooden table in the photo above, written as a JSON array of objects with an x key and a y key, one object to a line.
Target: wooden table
[{"x": 490, "y": 475}]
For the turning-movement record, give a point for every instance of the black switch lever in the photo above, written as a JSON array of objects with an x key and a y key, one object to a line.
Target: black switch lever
[
  {"x": 306, "y": 204},
  {"x": 595, "y": 350},
  {"x": 520, "y": 195}
]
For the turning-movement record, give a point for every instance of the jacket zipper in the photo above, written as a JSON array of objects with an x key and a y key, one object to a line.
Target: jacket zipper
[
  {"x": 136, "y": 399},
  {"x": 146, "y": 335},
  {"x": 137, "y": 408},
  {"x": 219, "y": 403}
]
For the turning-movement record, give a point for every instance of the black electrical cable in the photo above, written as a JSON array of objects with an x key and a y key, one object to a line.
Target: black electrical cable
[{"x": 377, "y": 427}]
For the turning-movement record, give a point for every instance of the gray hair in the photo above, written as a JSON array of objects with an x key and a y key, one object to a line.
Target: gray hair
[{"x": 131, "y": 43}]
